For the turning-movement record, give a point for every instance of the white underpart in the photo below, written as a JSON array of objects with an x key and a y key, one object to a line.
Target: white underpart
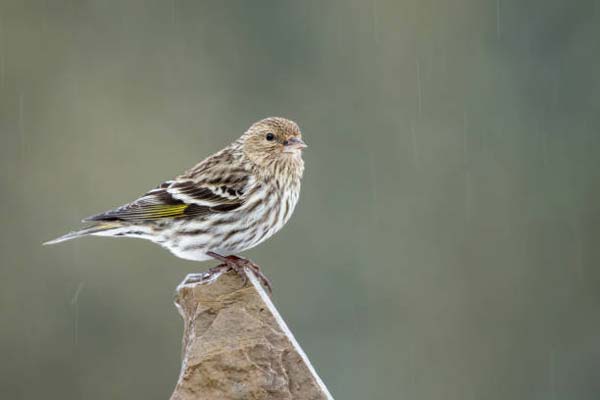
[
  {"x": 145, "y": 232},
  {"x": 195, "y": 247}
]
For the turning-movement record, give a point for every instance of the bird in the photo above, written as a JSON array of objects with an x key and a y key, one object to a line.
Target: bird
[{"x": 230, "y": 202}]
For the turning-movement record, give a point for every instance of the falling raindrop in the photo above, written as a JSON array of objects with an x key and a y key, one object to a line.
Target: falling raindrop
[
  {"x": 373, "y": 182},
  {"x": 412, "y": 364},
  {"x": 21, "y": 127},
  {"x": 466, "y": 139},
  {"x": 468, "y": 189},
  {"x": 468, "y": 195},
  {"x": 375, "y": 21},
  {"x": 1, "y": 68},
  {"x": 419, "y": 88},
  {"x": 555, "y": 89},
  {"x": 498, "y": 19},
  {"x": 552, "y": 372},
  {"x": 415, "y": 145},
  {"x": 1, "y": 55},
  {"x": 75, "y": 305},
  {"x": 544, "y": 143},
  {"x": 579, "y": 252},
  {"x": 45, "y": 19},
  {"x": 173, "y": 12},
  {"x": 444, "y": 62}
]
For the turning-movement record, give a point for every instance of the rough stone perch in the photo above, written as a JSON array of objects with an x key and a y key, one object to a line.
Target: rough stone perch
[{"x": 237, "y": 346}]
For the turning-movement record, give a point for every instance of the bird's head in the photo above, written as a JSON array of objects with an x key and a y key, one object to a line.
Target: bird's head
[{"x": 273, "y": 140}]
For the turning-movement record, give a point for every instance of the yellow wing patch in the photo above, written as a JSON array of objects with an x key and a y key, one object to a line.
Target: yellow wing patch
[{"x": 163, "y": 211}]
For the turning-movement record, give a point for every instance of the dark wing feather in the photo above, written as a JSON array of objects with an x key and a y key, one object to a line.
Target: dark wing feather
[
  {"x": 216, "y": 185},
  {"x": 177, "y": 199}
]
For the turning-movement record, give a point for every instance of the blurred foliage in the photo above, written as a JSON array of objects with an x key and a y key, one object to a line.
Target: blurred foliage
[{"x": 446, "y": 241}]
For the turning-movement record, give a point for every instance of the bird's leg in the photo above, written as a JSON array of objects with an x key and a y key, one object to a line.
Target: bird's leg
[
  {"x": 255, "y": 268},
  {"x": 238, "y": 264}
]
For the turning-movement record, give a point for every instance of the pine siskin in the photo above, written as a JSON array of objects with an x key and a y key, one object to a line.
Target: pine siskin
[{"x": 228, "y": 203}]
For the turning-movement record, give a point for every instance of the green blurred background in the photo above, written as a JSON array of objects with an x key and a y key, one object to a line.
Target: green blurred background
[{"x": 446, "y": 242}]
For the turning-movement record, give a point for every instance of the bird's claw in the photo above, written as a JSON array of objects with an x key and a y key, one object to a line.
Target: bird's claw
[{"x": 238, "y": 264}]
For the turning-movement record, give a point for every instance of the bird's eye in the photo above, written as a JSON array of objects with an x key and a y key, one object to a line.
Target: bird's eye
[{"x": 270, "y": 136}]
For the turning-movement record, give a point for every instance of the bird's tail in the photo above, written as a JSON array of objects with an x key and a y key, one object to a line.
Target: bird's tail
[{"x": 90, "y": 230}]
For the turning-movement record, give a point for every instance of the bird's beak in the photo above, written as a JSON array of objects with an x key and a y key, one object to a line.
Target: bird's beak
[{"x": 293, "y": 144}]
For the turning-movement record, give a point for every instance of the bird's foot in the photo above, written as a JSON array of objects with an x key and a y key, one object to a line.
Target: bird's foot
[{"x": 238, "y": 264}]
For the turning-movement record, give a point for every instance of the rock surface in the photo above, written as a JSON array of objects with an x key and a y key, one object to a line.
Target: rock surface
[{"x": 236, "y": 345}]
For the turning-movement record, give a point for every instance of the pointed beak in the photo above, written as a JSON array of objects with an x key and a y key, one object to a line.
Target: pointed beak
[{"x": 293, "y": 144}]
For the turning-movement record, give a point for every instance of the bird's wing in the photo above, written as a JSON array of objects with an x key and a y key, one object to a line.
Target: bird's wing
[{"x": 183, "y": 197}]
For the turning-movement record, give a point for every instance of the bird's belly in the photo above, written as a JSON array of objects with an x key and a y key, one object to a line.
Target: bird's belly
[
  {"x": 230, "y": 233},
  {"x": 246, "y": 233}
]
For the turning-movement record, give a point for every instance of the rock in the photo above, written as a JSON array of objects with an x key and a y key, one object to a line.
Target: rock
[{"x": 237, "y": 346}]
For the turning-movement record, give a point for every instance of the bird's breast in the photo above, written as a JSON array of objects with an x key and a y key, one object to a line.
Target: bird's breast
[{"x": 267, "y": 211}]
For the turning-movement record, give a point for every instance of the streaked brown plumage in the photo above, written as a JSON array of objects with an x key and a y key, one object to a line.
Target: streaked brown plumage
[{"x": 228, "y": 203}]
